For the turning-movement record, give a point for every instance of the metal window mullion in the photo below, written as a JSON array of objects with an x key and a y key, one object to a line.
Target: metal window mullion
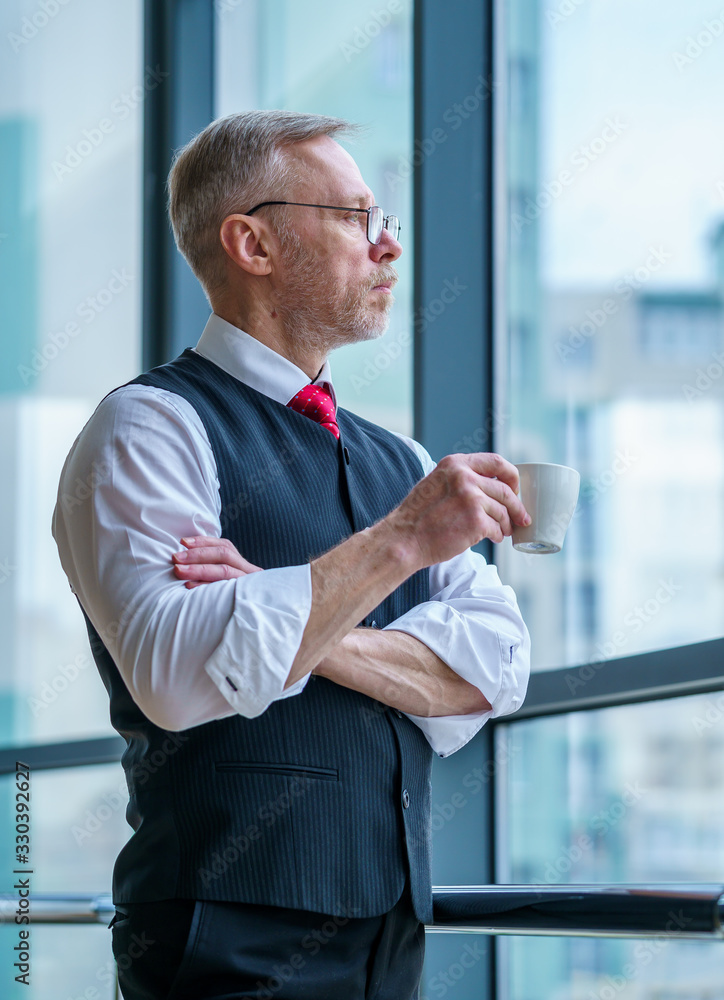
[
  {"x": 452, "y": 197},
  {"x": 178, "y": 39}
]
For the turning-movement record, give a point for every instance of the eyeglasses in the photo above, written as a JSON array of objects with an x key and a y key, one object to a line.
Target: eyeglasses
[{"x": 376, "y": 219}]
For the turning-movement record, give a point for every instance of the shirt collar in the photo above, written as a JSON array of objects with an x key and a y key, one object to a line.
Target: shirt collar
[{"x": 255, "y": 364}]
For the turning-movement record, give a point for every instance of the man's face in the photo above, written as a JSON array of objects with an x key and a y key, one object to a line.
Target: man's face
[{"x": 333, "y": 284}]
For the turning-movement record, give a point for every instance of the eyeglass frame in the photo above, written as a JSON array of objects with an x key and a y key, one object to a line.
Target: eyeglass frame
[{"x": 339, "y": 208}]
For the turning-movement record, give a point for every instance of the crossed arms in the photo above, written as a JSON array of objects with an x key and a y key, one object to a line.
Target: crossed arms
[
  {"x": 192, "y": 655},
  {"x": 464, "y": 499}
]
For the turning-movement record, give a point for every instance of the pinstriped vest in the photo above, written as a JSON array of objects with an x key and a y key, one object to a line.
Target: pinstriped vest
[{"x": 321, "y": 803}]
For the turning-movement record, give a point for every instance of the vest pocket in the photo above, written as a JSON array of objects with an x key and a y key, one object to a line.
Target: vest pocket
[{"x": 289, "y": 770}]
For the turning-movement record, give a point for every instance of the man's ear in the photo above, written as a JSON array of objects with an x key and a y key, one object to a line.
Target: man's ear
[{"x": 246, "y": 242}]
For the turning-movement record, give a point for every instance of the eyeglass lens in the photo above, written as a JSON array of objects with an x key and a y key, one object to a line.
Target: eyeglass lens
[{"x": 376, "y": 221}]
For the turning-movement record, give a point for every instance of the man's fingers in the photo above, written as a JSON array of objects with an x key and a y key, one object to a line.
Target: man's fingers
[
  {"x": 207, "y": 572},
  {"x": 207, "y": 559},
  {"x": 504, "y": 495},
  {"x": 211, "y": 554},
  {"x": 203, "y": 550},
  {"x": 191, "y": 541},
  {"x": 499, "y": 517},
  {"x": 488, "y": 463}
]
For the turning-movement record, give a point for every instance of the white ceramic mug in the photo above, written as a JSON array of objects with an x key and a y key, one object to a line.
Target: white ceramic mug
[{"x": 549, "y": 494}]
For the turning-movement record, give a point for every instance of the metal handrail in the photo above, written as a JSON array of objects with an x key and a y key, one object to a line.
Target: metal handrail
[
  {"x": 602, "y": 911},
  {"x": 60, "y": 908}
]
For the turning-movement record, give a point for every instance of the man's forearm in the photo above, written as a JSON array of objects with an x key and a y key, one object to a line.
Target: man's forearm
[
  {"x": 402, "y": 672},
  {"x": 347, "y": 583}
]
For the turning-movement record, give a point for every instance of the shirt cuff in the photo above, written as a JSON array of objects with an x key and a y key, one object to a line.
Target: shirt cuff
[
  {"x": 494, "y": 661},
  {"x": 449, "y": 733},
  {"x": 251, "y": 664}
]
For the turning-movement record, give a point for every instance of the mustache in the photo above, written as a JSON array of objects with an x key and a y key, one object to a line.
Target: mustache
[{"x": 386, "y": 274}]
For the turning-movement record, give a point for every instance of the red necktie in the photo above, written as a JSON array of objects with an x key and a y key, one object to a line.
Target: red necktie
[{"x": 316, "y": 403}]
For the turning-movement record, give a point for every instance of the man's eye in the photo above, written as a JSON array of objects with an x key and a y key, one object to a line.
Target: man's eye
[{"x": 354, "y": 216}]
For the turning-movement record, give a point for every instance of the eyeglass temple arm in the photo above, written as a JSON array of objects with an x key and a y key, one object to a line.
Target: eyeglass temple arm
[{"x": 307, "y": 204}]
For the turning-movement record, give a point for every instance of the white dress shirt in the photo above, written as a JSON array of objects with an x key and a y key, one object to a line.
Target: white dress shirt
[{"x": 141, "y": 475}]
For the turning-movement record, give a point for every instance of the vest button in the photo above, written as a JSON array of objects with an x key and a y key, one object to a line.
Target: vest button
[
  {"x": 398, "y": 713},
  {"x": 405, "y": 799}
]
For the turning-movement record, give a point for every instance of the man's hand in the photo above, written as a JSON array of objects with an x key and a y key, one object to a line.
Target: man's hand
[
  {"x": 464, "y": 499},
  {"x": 206, "y": 559}
]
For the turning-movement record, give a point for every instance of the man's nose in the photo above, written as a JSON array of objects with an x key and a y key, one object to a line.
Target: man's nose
[{"x": 387, "y": 250}]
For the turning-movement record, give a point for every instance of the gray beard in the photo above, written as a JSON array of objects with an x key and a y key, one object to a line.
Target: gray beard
[{"x": 319, "y": 322}]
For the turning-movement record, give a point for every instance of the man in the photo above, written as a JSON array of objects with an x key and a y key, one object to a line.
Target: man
[{"x": 333, "y": 628}]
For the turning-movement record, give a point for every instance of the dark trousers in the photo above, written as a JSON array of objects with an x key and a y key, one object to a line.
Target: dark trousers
[{"x": 186, "y": 950}]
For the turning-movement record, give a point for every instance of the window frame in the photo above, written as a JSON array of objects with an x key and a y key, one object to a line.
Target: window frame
[{"x": 179, "y": 36}]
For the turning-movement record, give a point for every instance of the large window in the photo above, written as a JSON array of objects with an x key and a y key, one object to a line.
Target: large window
[
  {"x": 72, "y": 93},
  {"x": 612, "y": 321},
  {"x": 610, "y": 358},
  {"x": 71, "y": 113}
]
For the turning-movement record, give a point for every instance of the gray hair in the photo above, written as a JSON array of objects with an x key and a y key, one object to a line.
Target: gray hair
[{"x": 233, "y": 164}]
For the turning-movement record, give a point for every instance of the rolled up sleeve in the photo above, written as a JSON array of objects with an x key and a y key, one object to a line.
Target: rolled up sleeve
[
  {"x": 267, "y": 622},
  {"x": 473, "y": 623},
  {"x": 186, "y": 656}
]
